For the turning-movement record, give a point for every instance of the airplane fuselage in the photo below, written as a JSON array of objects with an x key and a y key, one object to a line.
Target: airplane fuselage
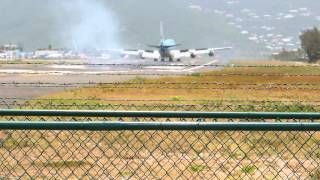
[
  {"x": 166, "y": 47},
  {"x": 165, "y": 52}
]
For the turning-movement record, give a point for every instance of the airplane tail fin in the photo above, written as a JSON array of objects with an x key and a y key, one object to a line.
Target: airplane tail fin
[
  {"x": 163, "y": 40},
  {"x": 161, "y": 31}
]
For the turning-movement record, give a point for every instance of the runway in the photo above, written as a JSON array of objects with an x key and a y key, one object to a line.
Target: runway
[
  {"x": 62, "y": 69},
  {"x": 66, "y": 73}
]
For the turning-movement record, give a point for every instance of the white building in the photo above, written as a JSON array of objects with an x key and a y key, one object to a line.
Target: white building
[
  {"x": 43, "y": 53},
  {"x": 10, "y": 52}
]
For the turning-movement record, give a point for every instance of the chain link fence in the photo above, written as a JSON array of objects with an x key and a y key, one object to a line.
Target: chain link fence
[
  {"x": 160, "y": 150},
  {"x": 160, "y": 155}
]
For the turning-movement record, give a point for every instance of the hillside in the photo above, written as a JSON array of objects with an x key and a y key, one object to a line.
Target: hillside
[{"x": 254, "y": 29}]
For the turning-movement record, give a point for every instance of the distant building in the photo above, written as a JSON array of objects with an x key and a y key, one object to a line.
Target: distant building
[
  {"x": 13, "y": 54},
  {"x": 45, "y": 53},
  {"x": 26, "y": 55},
  {"x": 10, "y": 52},
  {"x": 3, "y": 55}
]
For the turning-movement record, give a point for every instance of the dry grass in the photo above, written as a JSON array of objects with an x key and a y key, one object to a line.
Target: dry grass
[
  {"x": 150, "y": 155},
  {"x": 239, "y": 92},
  {"x": 154, "y": 154}
]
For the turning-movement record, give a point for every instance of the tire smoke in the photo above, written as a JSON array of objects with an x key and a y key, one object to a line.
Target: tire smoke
[{"x": 84, "y": 24}]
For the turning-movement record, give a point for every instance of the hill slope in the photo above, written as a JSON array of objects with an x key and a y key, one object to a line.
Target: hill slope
[{"x": 252, "y": 28}]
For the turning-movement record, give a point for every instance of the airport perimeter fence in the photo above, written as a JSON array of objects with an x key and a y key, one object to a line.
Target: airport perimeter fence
[
  {"x": 219, "y": 146},
  {"x": 160, "y": 105}
]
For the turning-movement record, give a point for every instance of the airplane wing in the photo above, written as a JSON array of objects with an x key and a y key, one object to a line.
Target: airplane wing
[
  {"x": 133, "y": 52},
  {"x": 196, "y": 52},
  {"x": 148, "y": 54}
]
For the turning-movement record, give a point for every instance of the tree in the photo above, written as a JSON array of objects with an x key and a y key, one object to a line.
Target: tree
[
  {"x": 310, "y": 43},
  {"x": 290, "y": 55}
]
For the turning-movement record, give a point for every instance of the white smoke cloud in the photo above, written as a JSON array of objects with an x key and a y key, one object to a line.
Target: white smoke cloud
[{"x": 85, "y": 24}]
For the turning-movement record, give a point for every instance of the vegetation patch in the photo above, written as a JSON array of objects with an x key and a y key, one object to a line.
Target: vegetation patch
[
  {"x": 12, "y": 143},
  {"x": 250, "y": 169},
  {"x": 61, "y": 164},
  {"x": 197, "y": 168}
]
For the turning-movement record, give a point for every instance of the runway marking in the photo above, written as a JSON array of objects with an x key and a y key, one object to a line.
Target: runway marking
[
  {"x": 67, "y": 67},
  {"x": 178, "y": 69},
  {"x": 164, "y": 67},
  {"x": 199, "y": 67},
  {"x": 34, "y": 72},
  {"x": 103, "y": 72},
  {"x": 15, "y": 71},
  {"x": 73, "y": 70}
]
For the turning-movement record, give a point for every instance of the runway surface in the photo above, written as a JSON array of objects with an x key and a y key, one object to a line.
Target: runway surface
[{"x": 55, "y": 72}]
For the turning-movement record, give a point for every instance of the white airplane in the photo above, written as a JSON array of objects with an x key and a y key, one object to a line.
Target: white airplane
[{"x": 167, "y": 49}]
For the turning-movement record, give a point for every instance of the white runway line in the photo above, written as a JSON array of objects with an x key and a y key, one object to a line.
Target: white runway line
[
  {"x": 201, "y": 66},
  {"x": 67, "y": 67},
  {"x": 72, "y": 69},
  {"x": 15, "y": 71},
  {"x": 164, "y": 67},
  {"x": 178, "y": 69},
  {"x": 52, "y": 72},
  {"x": 104, "y": 72}
]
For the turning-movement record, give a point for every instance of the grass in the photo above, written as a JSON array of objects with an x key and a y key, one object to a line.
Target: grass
[
  {"x": 238, "y": 92},
  {"x": 12, "y": 143},
  {"x": 61, "y": 164},
  {"x": 196, "y": 74},
  {"x": 250, "y": 169},
  {"x": 167, "y": 154},
  {"x": 176, "y": 98},
  {"x": 176, "y": 103},
  {"x": 315, "y": 175},
  {"x": 212, "y": 97},
  {"x": 126, "y": 174},
  {"x": 196, "y": 168}
]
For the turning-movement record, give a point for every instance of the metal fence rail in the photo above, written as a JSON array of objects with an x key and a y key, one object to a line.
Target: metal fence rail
[
  {"x": 95, "y": 115},
  {"x": 160, "y": 150},
  {"x": 154, "y": 116},
  {"x": 159, "y": 126},
  {"x": 162, "y": 105}
]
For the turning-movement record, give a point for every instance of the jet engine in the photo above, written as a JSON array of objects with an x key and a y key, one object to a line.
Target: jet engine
[
  {"x": 141, "y": 54},
  {"x": 123, "y": 56},
  {"x": 211, "y": 53},
  {"x": 193, "y": 54}
]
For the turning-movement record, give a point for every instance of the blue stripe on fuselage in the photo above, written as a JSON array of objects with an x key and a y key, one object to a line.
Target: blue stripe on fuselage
[
  {"x": 165, "y": 46},
  {"x": 168, "y": 43}
]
